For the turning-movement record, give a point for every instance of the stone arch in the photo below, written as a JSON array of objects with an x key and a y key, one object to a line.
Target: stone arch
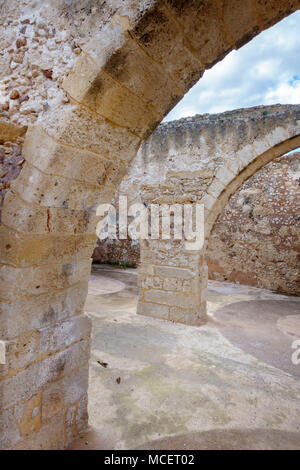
[
  {"x": 249, "y": 161},
  {"x": 125, "y": 80},
  {"x": 201, "y": 160}
]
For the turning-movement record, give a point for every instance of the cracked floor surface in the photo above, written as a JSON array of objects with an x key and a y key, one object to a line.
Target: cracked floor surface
[{"x": 230, "y": 384}]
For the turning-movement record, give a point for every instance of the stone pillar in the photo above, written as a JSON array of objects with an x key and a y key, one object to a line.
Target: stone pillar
[
  {"x": 48, "y": 234},
  {"x": 172, "y": 282}
]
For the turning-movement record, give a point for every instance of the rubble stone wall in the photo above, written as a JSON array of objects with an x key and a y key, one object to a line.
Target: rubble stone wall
[{"x": 256, "y": 239}]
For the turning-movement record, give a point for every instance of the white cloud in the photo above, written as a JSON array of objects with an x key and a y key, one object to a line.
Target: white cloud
[
  {"x": 284, "y": 93},
  {"x": 264, "y": 71}
]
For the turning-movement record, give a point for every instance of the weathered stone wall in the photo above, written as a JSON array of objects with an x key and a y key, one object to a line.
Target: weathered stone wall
[
  {"x": 124, "y": 252},
  {"x": 40, "y": 41},
  {"x": 256, "y": 239},
  {"x": 136, "y": 59},
  {"x": 206, "y": 159}
]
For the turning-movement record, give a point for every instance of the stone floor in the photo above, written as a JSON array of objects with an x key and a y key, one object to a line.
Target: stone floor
[{"x": 230, "y": 384}]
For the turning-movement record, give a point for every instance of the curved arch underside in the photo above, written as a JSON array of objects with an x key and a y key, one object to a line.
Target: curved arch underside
[{"x": 125, "y": 81}]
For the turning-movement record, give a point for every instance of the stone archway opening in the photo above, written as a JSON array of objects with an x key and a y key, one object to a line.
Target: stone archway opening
[{"x": 254, "y": 240}]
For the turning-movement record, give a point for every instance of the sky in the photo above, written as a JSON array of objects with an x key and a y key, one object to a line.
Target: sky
[{"x": 264, "y": 71}]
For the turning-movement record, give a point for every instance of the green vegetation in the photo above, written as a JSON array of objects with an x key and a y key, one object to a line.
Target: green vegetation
[{"x": 115, "y": 263}]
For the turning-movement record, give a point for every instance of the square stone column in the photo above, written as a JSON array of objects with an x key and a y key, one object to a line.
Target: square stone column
[{"x": 172, "y": 282}]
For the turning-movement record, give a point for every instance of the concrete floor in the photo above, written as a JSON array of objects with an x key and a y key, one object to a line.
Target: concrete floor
[{"x": 230, "y": 384}]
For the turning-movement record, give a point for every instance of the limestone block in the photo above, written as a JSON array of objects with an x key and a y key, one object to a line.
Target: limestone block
[
  {"x": 219, "y": 204},
  {"x": 171, "y": 298},
  {"x": 18, "y": 282},
  {"x": 192, "y": 285},
  {"x": 191, "y": 316},
  {"x": 216, "y": 187},
  {"x": 30, "y": 380},
  {"x": 29, "y": 250},
  {"x": 260, "y": 146},
  {"x": 173, "y": 272},
  {"x": 146, "y": 281},
  {"x": 29, "y": 415},
  {"x": 146, "y": 268},
  {"x": 102, "y": 94},
  {"x": 56, "y": 159},
  {"x": 55, "y": 191},
  {"x": 59, "y": 395},
  {"x": 19, "y": 352},
  {"x": 80, "y": 128},
  {"x": 63, "y": 334},
  {"x": 172, "y": 284},
  {"x": 208, "y": 201},
  {"x": 29, "y": 218},
  {"x": 115, "y": 173},
  {"x": 234, "y": 164},
  {"x": 40, "y": 310},
  {"x": 208, "y": 37},
  {"x": 277, "y": 135},
  {"x": 175, "y": 257},
  {"x": 132, "y": 67},
  {"x": 161, "y": 37},
  {"x": 9, "y": 431},
  {"x": 153, "y": 310},
  {"x": 48, "y": 437},
  {"x": 272, "y": 11},
  {"x": 171, "y": 250},
  {"x": 109, "y": 39},
  {"x": 70, "y": 423},
  {"x": 164, "y": 246},
  {"x": 224, "y": 175},
  {"x": 19, "y": 215},
  {"x": 246, "y": 154},
  {"x": 240, "y": 19},
  {"x": 82, "y": 413}
]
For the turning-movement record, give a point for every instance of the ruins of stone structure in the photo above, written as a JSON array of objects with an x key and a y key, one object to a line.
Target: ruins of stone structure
[
  {"x": 255, "y": 240},
  {"x": 82, "y": 84},
  {"x": 206, "y": 159}
]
